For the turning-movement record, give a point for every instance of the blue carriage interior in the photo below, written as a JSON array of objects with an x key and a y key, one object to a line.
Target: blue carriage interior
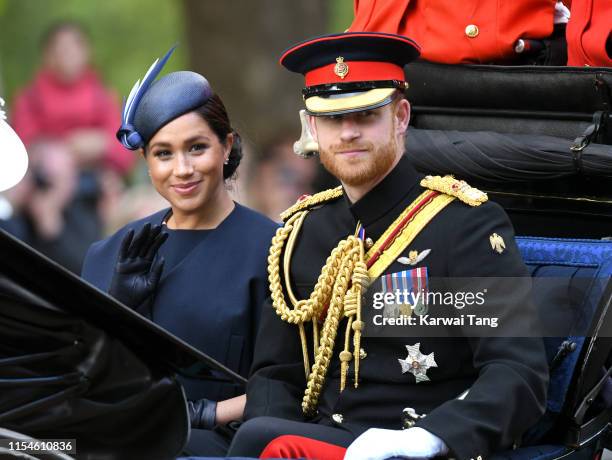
[{"x": 578, "y": 408}]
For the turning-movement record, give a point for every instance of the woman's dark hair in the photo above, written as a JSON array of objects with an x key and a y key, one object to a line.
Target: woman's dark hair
[{"x": 214, "y": 113}]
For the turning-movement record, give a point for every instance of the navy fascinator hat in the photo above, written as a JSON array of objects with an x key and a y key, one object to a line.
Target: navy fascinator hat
[{"x": 152, "y": 104}]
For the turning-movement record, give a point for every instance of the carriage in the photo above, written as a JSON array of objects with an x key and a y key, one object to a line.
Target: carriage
[{"x": 75, "y": 364}]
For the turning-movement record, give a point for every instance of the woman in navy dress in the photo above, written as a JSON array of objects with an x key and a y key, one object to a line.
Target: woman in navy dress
[{"x": 198, "y": 269}]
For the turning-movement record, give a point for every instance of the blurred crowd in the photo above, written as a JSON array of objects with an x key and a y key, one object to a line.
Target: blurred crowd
[{"x": 82, "y": 184}]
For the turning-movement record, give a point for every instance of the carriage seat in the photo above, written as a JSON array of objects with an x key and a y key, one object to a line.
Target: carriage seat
[{"x": 571, "y": 281}]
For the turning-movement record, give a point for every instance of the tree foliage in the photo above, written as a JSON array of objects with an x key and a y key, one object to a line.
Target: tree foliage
[
  {"x": 237, "y": 48},
  {"x": 127, "y": 35}
]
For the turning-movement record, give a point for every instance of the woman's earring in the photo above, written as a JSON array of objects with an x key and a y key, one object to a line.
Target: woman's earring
[{"x": 226, "y": 162}]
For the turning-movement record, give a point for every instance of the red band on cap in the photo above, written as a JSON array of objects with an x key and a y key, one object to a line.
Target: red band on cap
[{"x": 357, "y": 71}]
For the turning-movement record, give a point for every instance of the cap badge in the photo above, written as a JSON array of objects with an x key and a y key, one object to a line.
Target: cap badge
[{"x": 341, "y": 68}]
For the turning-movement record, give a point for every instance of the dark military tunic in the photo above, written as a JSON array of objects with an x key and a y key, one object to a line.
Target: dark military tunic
[{"x": 506, "y": 377}]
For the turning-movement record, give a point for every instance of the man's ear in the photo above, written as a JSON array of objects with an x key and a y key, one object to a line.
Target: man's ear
[
  {"x": 313, "y": 127},
  {"x": 402, "y": 116}
]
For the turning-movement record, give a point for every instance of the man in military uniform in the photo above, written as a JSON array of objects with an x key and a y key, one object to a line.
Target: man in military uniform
[{"x": 462, "y": 396}]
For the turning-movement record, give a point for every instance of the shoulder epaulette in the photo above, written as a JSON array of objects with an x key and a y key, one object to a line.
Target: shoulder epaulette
[
  {"x": 455, "y": 187},
  {"x": 309, "y": 201}
]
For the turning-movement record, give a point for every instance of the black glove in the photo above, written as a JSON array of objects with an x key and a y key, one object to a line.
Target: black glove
[
  {"x": 202, "y": 413},
  {"x": 136, "y": 274}
]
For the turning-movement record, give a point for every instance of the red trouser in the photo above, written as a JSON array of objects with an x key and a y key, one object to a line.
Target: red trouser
[{"x": 292, "y": 446}]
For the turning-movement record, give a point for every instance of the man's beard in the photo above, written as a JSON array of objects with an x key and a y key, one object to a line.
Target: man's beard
[{"x": 369, "y": 168}]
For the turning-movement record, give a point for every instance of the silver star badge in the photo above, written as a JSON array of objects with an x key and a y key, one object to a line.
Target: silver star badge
[{"x": 417, "y": 363}]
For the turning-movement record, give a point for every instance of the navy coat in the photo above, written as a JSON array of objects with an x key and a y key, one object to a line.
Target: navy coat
[{"x": 211, "y": 291}]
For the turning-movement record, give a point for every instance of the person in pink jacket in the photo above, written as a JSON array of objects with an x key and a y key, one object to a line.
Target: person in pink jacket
[
  {"x": 67, "y": 120},
  {"x": 67, "y": 102}
]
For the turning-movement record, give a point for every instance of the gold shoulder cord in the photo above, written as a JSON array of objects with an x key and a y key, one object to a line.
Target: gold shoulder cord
[{"x": 344, "y": 267}]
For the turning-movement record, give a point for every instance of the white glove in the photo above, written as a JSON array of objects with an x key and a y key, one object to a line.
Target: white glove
[{"x": 379, "y": 444}]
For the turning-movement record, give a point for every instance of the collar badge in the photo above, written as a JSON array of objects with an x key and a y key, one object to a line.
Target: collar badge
[{"x": 497, "y": 243}]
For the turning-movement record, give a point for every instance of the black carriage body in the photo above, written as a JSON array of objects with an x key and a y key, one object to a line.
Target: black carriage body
[
  {"x": 537, "y": 139},
  {"x": 76, "y": 364}
]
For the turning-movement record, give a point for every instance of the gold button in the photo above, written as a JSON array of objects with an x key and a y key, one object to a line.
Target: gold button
[
  {"x": 369, "y": 243},
  {"x": 472, "y": 31},
  {"x": 362, "y": 354},
  {"x": 338, "y": 418}
]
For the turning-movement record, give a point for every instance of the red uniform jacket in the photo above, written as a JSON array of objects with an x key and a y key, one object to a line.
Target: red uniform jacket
[
  {"x": 587, "y": 32},
  {"x": 471, "y": 31},
  {"x": 486, "y": 31}
]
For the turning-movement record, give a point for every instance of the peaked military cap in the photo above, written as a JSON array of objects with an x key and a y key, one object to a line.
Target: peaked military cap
[{"x": 352, "y": 71}]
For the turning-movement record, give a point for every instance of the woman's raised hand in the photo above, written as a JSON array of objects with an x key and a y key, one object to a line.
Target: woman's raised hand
[{"x": 138, "y": 271}]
